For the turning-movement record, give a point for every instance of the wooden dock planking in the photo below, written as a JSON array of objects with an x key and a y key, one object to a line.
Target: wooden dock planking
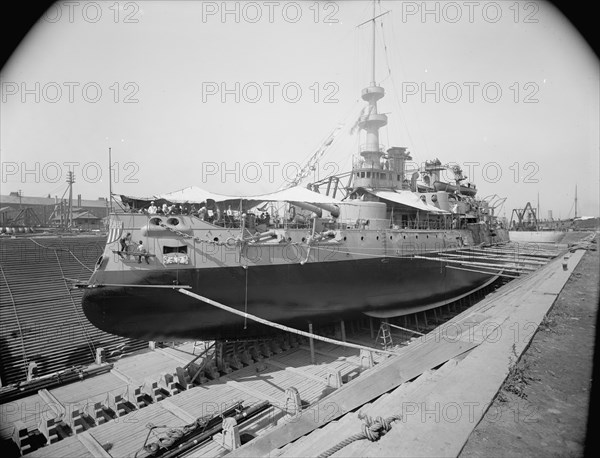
[
  {"x": 94, "y": 389},
  {"x": 126, "y": 435},
  {"x": 390, "y": 374},
  {"x": 278, "y": 381},
  {"x": 202, "y": 401},
  {"x": 71, "y": 447},
  {"x": 147, "y": 365},
  {"x": 211, "y": 449},
  {"x": 297, "y": 370},
  {"x": 179, "y": 357}
]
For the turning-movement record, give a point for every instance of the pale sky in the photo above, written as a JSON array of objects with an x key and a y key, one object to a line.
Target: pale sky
[{"x": 509, "y": 91}]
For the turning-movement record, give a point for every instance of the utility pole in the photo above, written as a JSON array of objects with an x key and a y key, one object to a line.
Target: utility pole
[
  {"x": 70, "y": 181},
  {"x": 109, "y": 182}
]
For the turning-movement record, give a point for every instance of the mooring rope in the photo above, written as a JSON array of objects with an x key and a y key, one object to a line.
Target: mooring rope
[
  {"x": 281, "y": 326},
  {"x": 371, "y": 429}
]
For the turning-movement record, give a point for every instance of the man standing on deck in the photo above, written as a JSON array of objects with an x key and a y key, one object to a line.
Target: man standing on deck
[
  {"x": 125, "y": 242},
  {"x": 141, "y": 251}
]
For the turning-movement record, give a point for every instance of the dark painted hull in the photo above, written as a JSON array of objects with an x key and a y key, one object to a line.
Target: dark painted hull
[{"x": 291, "y": 294}]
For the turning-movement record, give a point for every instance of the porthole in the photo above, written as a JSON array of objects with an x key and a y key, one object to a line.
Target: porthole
[
  {"x": 155, "y": 221},
  {"x": 173, "y": 221},
  {"x": 361, "y": 237},
  {"x": 216, "y": 239}
]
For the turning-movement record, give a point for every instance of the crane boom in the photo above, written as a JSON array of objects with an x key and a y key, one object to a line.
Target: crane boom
[{"x": 313, "y": 161}]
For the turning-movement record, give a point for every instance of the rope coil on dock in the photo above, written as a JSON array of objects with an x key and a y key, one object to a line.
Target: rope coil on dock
[{"x": 371, "y": 429}]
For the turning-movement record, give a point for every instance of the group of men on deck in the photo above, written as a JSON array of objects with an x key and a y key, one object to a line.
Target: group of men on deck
[{"x": 139, "y": 251}]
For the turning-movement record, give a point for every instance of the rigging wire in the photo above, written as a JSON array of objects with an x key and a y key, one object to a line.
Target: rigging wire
[
  {"x": 25, "y": 357},
  {"x": 415, "y": 113},
  {"x": 85, "y": 333},
  {"x": 61, "y": 249}
]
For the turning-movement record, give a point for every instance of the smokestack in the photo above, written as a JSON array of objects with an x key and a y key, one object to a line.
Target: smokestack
[{"x": 79, "y": 200}]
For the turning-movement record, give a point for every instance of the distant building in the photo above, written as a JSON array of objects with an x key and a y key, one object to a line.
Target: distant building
[{"x": 19, "y": 210}]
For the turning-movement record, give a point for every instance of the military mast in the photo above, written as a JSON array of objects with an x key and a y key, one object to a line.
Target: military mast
[{"x": 369, "y": 172}]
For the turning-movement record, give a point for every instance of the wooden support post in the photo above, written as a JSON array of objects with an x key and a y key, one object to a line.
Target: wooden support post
[
  {"x": 265, "y": 350},
  {"x": 366, "y": 359},
  {"x": 293, "y": 403},
  {"x": 154, "y": 391},
  {"x": 312, "y": 344},
  {"x": 171, "y": 385},
  {"x": 246, "y": 358},
  {"x": 285, "y": 343},
  {"x": 233, "y": 361},
  {"x": 343, "y": 329},
  {"x": 371, "y": 328},
  {"x": 230, "y": 438},
  {"x": 417, "y": 321},
  {"x": 80, "y": 421},
  {"x": 219, "y": 356},
  {"x": 31, "y": 370},
  {"x": 21, "y": 438},
  {"x": 100, "y": 415},
  {"x": 294, "y": 343},
  {"x": 435, "y": 315},
  {"x": 425, "y": 317},
  {"x": 183, "y": 378},
  {"x": 255, "y": 354},
  {"x": 100, "y": 358},
  {"x": 275, "y": 346},
  {"x": 334, "y": 378}
]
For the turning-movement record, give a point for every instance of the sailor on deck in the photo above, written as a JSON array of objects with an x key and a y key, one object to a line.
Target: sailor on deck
[{"x": 141, "y": 251}]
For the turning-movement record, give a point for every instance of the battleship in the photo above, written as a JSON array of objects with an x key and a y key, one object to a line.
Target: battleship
[{"x": 296, "y": 256}]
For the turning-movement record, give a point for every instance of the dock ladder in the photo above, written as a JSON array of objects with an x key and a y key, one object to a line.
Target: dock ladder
[{"x": 385, "y": 335}]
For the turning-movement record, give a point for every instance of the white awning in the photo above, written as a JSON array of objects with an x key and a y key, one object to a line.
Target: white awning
[
  {"x": 192, "y": 194},
  {"x": 409, "y": 199},
  {"x": 295, "y": 194}
]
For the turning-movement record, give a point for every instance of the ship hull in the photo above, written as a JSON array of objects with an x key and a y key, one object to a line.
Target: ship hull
[
  {"x": 536, "y": 236},
  {"x": 292, "y": 294}
]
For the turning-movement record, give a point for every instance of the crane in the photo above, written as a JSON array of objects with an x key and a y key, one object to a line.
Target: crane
[{"x": 312, "y": 162}]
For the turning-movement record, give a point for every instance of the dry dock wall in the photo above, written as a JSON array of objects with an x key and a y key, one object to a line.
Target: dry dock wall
[{"x": 41, "y": 319}]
